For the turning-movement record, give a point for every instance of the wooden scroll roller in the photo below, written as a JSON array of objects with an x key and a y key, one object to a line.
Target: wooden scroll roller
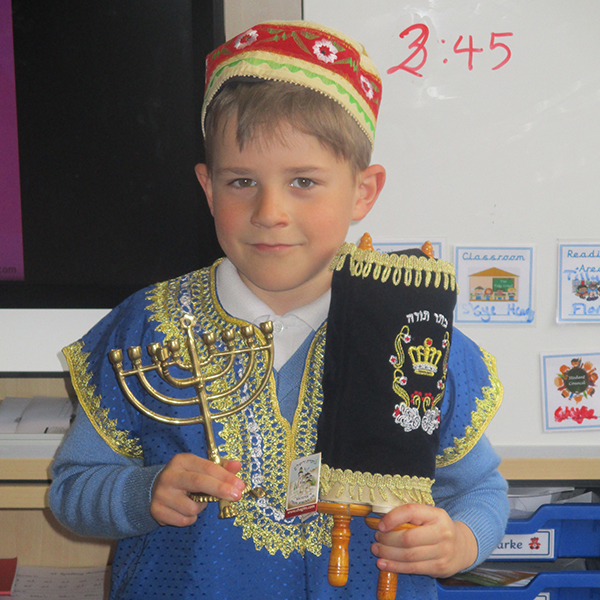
[{"x": 339, "y": 559}]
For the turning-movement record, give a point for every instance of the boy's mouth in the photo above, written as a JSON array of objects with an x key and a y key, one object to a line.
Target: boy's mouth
[{"x": 263, "y": 247}]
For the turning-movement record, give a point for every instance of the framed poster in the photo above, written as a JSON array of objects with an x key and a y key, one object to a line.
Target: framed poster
[
  {"x": 495, "y": 284},
  {"x": 569, "y": 387},
  {"x": 579, "y": 283}
]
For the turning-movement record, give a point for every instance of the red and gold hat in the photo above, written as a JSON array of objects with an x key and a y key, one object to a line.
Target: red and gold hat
[{"x": 306, "y": 54}]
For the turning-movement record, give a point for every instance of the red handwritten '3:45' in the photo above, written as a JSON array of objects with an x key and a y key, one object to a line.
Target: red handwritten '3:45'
[{"x": 420, "y": 51}]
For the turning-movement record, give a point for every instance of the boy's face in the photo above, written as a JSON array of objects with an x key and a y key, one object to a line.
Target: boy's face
[{"x": 282, "y": 210}]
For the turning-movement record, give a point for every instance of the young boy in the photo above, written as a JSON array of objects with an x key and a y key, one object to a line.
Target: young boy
[{"x": 289, "y": 117}]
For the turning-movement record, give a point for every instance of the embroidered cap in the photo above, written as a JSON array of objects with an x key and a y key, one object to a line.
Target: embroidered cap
[
  {"x": 389, "y": 331},
  {"x": 304, "y": 53}
]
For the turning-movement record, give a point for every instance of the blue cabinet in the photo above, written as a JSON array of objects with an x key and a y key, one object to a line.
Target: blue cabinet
[{"x": 554, "y": 531}]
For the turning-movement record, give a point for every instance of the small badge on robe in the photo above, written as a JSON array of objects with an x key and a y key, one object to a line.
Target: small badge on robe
[{"x": 303, "y": 487}]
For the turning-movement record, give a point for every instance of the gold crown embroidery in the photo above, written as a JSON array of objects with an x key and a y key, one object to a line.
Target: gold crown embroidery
[{"x": 425, "y": 358}]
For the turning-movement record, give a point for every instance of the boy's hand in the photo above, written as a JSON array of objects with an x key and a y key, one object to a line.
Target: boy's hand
[
  {"x": 438, "y": 547},
  {"x": 186, "y": 473}
]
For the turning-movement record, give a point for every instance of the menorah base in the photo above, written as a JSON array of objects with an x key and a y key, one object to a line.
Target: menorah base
[{"x": 227, "y": 509}]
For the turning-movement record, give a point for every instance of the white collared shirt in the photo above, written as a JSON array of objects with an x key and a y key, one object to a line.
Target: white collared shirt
[{"x": 289, "y": 330}]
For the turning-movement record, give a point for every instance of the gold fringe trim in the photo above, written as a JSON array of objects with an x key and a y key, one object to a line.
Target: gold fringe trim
[
  {"x": 480, "y": 417},
  {"x": 402, "y": 269},
  {"x": 119, "y": 440},
  {"x": 403, "y": 487}
]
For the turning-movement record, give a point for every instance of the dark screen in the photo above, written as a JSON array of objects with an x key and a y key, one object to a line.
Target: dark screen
[{"x": 108, "y": 101}]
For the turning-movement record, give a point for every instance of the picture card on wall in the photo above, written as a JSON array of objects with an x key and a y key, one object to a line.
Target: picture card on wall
[
  {"x": 569, "y": 388},
  {"x": 578, "y": 282},
  {"x": 495, "y": 284}
]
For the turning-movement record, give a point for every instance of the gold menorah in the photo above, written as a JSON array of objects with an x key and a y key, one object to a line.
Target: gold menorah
[{"x": 217, "y": 366}]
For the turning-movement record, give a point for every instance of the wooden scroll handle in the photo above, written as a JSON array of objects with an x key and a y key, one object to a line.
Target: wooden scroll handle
[
  {"x": 339, "y": 559},
  {"x": 387, "y": 582}
]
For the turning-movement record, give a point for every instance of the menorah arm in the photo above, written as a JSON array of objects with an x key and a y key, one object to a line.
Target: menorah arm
[
  {"x": 261, "y": 386},
  {"x": 244, "y": 379},
  {"x": 232, "y": 354},
  {"x": 198, "y": 377},
  {"x": 232, "y": 390},
  {"x": 150, "y": 413},
  {"x": 180, "y": 384},
  {"x": 154, "y": 392}
]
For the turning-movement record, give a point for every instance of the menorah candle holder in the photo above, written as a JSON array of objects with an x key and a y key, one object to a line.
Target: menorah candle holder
[{"x": 204, "y": 372}]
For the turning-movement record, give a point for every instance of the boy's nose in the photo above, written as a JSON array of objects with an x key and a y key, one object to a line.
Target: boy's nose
[{"x": 269, "y": 210}]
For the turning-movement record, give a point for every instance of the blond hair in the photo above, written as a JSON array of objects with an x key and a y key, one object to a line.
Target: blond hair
[{"x": 264, "y": 108}]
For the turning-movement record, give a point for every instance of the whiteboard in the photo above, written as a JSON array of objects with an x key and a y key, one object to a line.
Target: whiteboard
[{"x": 482, "y": 156}]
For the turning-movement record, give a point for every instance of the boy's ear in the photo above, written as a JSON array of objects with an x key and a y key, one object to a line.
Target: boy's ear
[
  {"x": 370, "y": 184},
  {"x": 205, "y": 181}
]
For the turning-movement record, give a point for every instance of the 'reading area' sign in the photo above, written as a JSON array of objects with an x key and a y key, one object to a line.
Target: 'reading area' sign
[{"x": 579, "y": 283}]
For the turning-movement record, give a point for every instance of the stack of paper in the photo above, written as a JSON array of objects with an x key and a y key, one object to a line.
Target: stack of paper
[
  {"x": 48, "y": 583},
  {"x": 33, "y": 427},
  {"x": 511, "y": 574}
]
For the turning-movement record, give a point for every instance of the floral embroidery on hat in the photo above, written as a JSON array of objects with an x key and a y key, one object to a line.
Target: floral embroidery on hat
[
  {"x": 246, "y": 39},
  {"x": 325, "y": 51},
  {"x": 303, "y": 53},
  {"x": 367, "y": 86}
]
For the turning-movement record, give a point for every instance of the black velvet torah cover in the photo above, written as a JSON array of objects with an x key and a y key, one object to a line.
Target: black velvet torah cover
[{"x": 386, "y": 356}]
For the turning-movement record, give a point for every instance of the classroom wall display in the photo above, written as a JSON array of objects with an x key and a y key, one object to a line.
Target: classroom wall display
[
  {"x": 495, "y": 284},
  {"x": 579, "y": 283},
  {"x": 569, "y": 384},
  {"x": 488, "y": 130}
]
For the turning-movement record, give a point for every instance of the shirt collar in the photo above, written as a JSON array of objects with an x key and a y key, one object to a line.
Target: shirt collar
[{"x": 240, "y": 302}]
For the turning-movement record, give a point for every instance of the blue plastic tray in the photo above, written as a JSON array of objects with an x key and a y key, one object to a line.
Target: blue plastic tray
[
  {"x": 576, "y": 535},
  {"x": 576, "y": 529}
]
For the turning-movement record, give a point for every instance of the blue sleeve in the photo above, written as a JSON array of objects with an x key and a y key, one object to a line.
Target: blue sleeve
[
  {"x": 471, "y": 490},
  {"x": 98, "y": 492}
]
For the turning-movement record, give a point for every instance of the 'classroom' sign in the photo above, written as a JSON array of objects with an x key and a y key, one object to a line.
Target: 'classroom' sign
[{"x": 495, "y": 284}]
